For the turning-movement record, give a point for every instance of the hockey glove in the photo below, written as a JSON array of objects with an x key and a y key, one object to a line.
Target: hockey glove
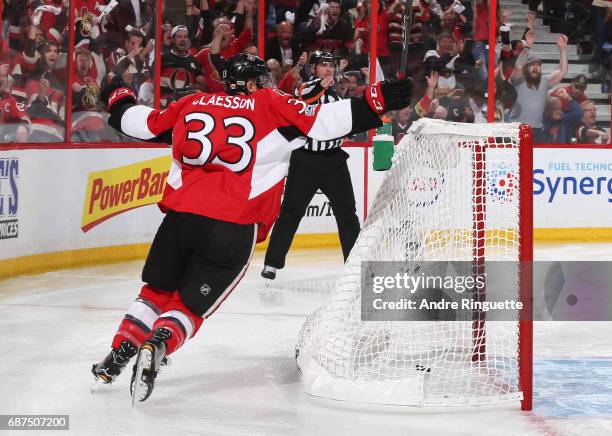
[
  {"x": 389, "y": 95},
  {"x": 116, "y": 91}
]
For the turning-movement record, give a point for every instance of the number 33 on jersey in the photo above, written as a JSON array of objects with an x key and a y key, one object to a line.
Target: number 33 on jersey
[{"x": 231, "y": 152}]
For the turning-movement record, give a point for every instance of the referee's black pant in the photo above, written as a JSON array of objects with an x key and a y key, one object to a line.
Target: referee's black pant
[{"x": 308, "y": 172}]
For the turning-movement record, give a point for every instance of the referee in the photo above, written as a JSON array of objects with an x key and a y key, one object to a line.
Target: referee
[{"x": 318, "y": 165}]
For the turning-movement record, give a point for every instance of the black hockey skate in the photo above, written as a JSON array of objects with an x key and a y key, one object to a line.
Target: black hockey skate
[
  {"x": 151, "y": 356},
  {"x": 111, "y": 366},
  {"x": 268, "y": 272}
]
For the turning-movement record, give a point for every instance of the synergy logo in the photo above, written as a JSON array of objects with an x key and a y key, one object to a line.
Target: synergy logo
[
  {"x": 503, "y": 183},
  {"x": 117, "y": 190},
  {"x": 9, "y": 198},
  {"x": 585, "y": 179}
]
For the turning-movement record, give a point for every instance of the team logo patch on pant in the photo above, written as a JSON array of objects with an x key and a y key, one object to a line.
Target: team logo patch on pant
[{"x": 205, "y": 289}]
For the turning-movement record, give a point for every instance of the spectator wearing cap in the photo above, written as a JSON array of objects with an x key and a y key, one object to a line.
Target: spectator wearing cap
[
  {"x": 575, "y": 91},
  {"x": 354, "y": 86},
  {"x": 342, "y": 87},
  {"x": 179, "y": 69},
  {"x": 559, "y": 124},
  {"x": 282, "y": 46},
  {"x": 532, "y": 88},
  {"x": 587, "y": 131}
]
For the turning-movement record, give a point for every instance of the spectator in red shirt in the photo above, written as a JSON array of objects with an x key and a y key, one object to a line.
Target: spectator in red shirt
[
  {"x": 575, "y": 91},
  {"x": 230, "y": 44},
  {"x": 481, "y": 32},
  {"x": 224, "y": 45},
  {"x": 14, "y": 121},
  {"x": 361, "y": 37}
]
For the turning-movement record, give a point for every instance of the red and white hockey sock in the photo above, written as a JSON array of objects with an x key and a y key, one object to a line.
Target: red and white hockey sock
[
  {"x": 181, "y": 321},
  {"x": 141, "y": 315}
]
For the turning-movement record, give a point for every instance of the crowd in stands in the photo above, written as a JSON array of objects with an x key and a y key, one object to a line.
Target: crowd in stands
[
  {"x": 447, "y": 57},
  {"x": 559, "y": 113}
]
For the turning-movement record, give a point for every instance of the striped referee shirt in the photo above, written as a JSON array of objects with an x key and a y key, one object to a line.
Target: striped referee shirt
[{"x": 312, "y": 93}]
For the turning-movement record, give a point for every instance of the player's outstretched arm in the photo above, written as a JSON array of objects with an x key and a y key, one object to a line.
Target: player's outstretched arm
[{"x": 354, "y": 115}]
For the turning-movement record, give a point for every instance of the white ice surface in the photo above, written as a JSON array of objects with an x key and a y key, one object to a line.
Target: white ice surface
[{"x": 238, "y": 376}]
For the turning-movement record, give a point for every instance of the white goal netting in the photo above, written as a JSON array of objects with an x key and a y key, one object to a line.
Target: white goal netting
[{"x": 451, "y": 195}]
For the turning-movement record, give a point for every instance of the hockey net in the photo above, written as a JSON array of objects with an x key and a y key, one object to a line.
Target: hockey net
[{"x": 454, "y": 193}]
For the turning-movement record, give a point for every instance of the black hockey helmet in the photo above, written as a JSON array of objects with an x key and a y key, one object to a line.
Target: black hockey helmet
[
  {"x": 322, "y": 56},
  {"x": 244, "y": 67}
]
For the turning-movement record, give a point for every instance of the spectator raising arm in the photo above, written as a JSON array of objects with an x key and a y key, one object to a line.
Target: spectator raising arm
[
  {"x": 423, "y": 107},
  {"x": 557, "y": 75},
  {"x": 521, "y": 60}
]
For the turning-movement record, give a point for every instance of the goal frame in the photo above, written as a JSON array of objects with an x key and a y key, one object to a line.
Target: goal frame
[{"x": 319, "y": 382}]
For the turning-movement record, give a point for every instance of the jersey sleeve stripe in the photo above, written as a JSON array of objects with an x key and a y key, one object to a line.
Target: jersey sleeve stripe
[
  {"x": 134, "y": 122},
  {"x": 314, "y": 98},
  {"x": 334, "y": 120}
]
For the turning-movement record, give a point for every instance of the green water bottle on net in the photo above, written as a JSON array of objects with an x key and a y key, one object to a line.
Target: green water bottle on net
[{"x": 383, "y": 146}]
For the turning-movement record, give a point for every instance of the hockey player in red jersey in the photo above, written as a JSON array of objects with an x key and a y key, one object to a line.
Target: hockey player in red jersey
[{"x": 230, "y": 155}]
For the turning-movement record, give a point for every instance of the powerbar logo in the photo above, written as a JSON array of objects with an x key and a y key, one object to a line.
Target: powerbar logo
[
  {"x": 553, "y": 186},
  {"x": 117, "y": 190},
  {"x": 9, "y": 198}
]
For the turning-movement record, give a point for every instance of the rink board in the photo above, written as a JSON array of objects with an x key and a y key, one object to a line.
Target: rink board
[{"x": 82, "y": 199}]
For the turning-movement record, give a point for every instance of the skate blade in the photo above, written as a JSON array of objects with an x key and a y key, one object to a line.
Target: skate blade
[
  {"x": 144, "y": 362},
  {"x": 166, "y": 361},
  {"x": 96, "y": 385}
]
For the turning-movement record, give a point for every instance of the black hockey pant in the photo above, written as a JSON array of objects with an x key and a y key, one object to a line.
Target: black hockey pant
[
  {"x": 308, "y": 172},
  {"x": 201, "y": 258}
]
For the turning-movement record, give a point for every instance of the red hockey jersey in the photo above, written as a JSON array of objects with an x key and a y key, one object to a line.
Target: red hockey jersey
[{"x": 231, "y": 153}]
